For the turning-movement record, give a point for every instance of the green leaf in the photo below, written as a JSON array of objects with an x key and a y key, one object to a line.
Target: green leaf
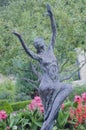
[
  {"x": 75, "y": 104},
  {"x": 62, "y": 118}
]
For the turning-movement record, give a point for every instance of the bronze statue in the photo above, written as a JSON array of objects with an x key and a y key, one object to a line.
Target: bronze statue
[{"x": 51, "y": 90}]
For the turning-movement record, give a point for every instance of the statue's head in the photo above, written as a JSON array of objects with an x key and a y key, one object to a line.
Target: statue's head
[{"x": 39, "y": 44}]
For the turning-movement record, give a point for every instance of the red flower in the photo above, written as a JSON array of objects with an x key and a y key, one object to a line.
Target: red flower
[
  {"x": 72, "y": 113},
  {"x": 84, "y": 112},
  {"x": 79, "y": 114}
]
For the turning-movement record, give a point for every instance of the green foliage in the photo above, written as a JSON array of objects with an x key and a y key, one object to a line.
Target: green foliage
[
  {"x": 4, "y": 105},
  {"x": 62, "y": 119},
  {"x": 2, "y": 125},
  {"x": 4, "y": 2},
  {"x": 7, "y": 90},
  {"x": 63, "y": 116},
  {"x": 77, "y": 90},
  {"x": 29, "y": 18},
  {"x": 26, "y": 119},
  {"x": 19, "y": 105},
  {"x": 21, "y": 96}
]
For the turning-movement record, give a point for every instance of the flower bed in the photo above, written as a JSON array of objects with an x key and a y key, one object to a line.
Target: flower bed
[{"x": 72, "y": 116}]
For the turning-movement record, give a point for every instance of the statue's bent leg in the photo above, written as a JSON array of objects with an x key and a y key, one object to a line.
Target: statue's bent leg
[
  {"x": 59, "y": 99},
  {"x": 50, "y": 127}
]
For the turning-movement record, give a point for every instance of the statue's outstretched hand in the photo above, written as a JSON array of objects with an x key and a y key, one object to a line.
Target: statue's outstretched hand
[
  {"x": 49, "y": 10},
  {"x": 15, "y": 33}
]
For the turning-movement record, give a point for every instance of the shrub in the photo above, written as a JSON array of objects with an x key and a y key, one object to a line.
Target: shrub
[
  {"x": 20, "y": 105},
  {"x": 21, "y": 96},
  {"x": 7, "y": 90},
  {"x": 4, "y": 105}
]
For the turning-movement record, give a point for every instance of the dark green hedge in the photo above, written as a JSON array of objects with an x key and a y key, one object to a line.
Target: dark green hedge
[
  {"x": 20, "y": 105},
  {"x": 4, "y": 105}
]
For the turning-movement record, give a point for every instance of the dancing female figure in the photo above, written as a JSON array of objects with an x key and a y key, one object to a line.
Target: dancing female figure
[{"x": 51, "y": 90}]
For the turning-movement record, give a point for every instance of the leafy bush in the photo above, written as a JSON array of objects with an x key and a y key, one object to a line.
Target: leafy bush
[
  {"x": 21, "y": 96},
  {"x": 4, "y": 105},
  {"x": 19, "y": 105},
  {"x": 70, "y": 21},
  {"x": 7, "y": 90}
]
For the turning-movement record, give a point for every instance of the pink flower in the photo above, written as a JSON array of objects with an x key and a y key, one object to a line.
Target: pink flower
[
  {"x": 78, "y": 99},
  {"x": 37, "y": 99},
  {"x": 0, "y": 117},
  {"x": 32, "y": 105},
  {"x": 84, "y": 96},
  {"x": 36, "y": 104},
  {"x": 62, "y": 106},
  {"x": 39, "y": 104},
  {"x": 41, "y": 109},
  {"x": 3, "y": 115}
]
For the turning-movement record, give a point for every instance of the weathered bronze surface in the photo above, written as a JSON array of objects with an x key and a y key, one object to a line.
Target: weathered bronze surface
[{"x": 51, "y": 90}]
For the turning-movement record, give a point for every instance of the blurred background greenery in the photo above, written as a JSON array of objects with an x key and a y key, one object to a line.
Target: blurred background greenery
[{"x": 30, "y": 20}]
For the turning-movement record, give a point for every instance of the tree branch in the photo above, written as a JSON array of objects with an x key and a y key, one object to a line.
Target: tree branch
[
  {"x": 30, "y": 81},
  {"x": 69, "y": 77},
  {"x": 62, "y": 66}
]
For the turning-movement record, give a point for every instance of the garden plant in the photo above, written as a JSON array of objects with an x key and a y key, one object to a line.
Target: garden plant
[{"x": 72, "y": 116}]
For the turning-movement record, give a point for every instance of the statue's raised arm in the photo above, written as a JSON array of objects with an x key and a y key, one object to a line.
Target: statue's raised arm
[
  {"x": 27, "y": 50},
  {"x": 53, "y": 26},
  {"x": 51, "y": 90}
]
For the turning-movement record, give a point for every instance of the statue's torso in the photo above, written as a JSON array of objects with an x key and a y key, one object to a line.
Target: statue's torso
[
  {"x": 49, "y": 82},
  {"x": 49, "y": 66}
]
